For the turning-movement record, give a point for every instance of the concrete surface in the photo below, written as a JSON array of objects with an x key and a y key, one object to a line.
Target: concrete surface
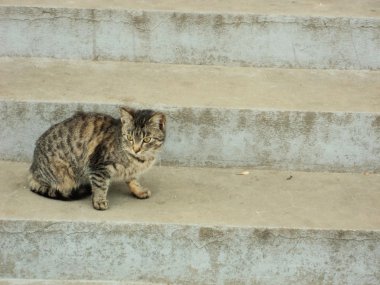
[
  {"x": 281, "y": 119},
  {"x": 343, "y": 142},
  {"x": 213, "y": 196},
  {"x": 331, "y": 8},
  {"x": 41, "y": 79},
  {"x": 69, "y": 282},
  {"x": 312, "y": 38},
  {"x": 201, "y": 226}
]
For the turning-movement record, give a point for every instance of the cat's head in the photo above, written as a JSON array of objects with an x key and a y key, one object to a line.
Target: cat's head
[{"x": 143, "y": 131}]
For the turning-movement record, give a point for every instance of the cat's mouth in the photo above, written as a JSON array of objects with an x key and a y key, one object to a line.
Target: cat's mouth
[{"x": 137, "y": 156}]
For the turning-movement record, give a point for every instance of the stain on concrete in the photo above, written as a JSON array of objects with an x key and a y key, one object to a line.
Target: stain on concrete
[
  {"x": 184, "y": 117},
  {"x": 141, "y": 22},
  {"x": 285, "y": 122},
  {"x": 340, "y": 234},
  {"x": 205, "y": 133},
  {"x": 243, "y": 122},
  {"x": 277, "y": 123},
  {"x": 239, "y": 20},
  {"x": 262, "y": 235},
  {"x": 180, "y": 20},
  {"x": 20, "y": 111},
  {"x": 376, "y": 123},
  {"x": 14, "y": 114},
  {"x": 264, "y": 119},
  {"x": 259, "y": 21},
  {"x": 200, "y": 19},
  {"x": 49, "y": 11},
  {"x": 202, "y": 117},
  {"x": 54, "y": 114},
  {"x": 309, "y": 121},
  {"x": 58, "y": 114},
  {"x": 207, "y": 234},
  {"x": 206, "y": 117},
  {"x": 7, "y": 268},
  {"x": 218, "y": 24}
]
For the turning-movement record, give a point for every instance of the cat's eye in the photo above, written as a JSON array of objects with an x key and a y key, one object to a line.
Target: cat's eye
[
  {"x": 129, "y": 137},
  {"x": 147, "y": 139}
]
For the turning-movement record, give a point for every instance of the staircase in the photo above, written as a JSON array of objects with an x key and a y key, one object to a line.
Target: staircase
[{"x": 271, "y": 170}]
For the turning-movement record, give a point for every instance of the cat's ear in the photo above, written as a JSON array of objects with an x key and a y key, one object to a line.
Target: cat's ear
[
  {"x": 158, "y": 120},
  {"x": 126, "y": 115}
]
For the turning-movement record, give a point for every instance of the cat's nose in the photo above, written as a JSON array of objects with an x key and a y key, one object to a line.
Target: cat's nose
[{"x": 136, "y": 148}]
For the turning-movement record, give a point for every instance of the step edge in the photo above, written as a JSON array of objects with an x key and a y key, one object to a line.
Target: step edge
[{"x": 267, "y": 17}]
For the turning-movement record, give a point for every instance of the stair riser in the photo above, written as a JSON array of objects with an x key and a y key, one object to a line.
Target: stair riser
[
  {"x": 311, "y": 141},
  {"x": 186, "y": 254},
  {"x": 191, "y": 38}
]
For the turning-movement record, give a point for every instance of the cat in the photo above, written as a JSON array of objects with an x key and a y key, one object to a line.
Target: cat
[{"x": 81, "y": 154}]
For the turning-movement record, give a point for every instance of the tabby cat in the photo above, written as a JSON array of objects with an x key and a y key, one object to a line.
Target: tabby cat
[{"x": 80, "y": 155}]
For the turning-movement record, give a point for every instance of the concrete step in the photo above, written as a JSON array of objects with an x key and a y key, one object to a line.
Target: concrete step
[
  {"x": 201, "y": 226},
  {"x": 318, "y": 120},
  {"x": 299, "y": 34},
  {"x": 69, "y": 282}
]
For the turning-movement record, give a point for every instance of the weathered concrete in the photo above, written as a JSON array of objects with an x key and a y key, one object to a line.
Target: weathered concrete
[
  {"x": 4, "y": 281},
  {"x": 219, "y": 116},
  {"x": 188, "y": 254},
  {"x": 201, "y": 226},
  {"x": 213, "y": 196},
  {"x": 239, "y": 135},
  {"x": 332, "y": 8},
  {"x": 222, "y": 38},
  {"x": 41, "y": 79},
  {"x": 224, "y": 137}
]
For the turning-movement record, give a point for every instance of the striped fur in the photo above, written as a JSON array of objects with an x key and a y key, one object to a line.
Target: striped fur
[{"x": 81, "y": 155}]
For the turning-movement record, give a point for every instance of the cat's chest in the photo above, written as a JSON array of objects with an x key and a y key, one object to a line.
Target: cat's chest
[{"x": 132, "y": 169}]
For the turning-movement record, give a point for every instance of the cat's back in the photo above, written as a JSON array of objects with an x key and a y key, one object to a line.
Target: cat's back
[
  {"x": 81, "y": 126},
  {"x": 79, "y": 133}
]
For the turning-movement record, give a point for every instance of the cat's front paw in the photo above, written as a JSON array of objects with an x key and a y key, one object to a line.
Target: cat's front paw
[
  {"x": 142, "y": 194},
  {"x": 100, "y": 204},
  {"x": 137, "y": 190}
]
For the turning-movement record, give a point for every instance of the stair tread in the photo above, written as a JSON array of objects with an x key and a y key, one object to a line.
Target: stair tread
[
  {"x": 366, "y": 8},
  {"x": 41, "y": 79},
  {"x": 212, "y": 196}
]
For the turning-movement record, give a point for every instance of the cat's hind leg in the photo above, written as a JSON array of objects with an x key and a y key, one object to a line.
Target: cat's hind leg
[
  {"x": 46, "y": 190},
  {"x": 53, "y": 183}
]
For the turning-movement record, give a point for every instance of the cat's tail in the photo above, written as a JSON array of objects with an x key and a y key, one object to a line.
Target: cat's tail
[
  {"x": 54, "y": 193},
  {"x": 80, "y": 192}
]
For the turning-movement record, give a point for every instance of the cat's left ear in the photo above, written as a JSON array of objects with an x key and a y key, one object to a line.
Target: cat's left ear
[
  {"x": 126, "y": 115},
  {"x": 158, "y": 120}
]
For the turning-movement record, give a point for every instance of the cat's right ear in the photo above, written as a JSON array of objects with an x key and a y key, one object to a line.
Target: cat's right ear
[{"x": 126, "y": 115}]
